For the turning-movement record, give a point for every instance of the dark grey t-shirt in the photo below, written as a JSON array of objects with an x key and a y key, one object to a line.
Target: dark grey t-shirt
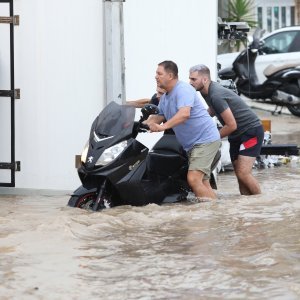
[{"x": 220, "y": 98}]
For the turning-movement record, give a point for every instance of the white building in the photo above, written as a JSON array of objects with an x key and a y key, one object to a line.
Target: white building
[
  {"x": 275, "y": 14},
  {"x": 270, "y": 14},
  {"x": 60, "y": 71}
]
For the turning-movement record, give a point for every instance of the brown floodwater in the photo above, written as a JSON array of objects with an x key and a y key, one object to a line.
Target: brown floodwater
[{"x": 237, "y": 247}]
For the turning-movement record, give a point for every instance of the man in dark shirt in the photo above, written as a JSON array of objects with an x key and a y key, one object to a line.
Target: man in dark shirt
[{"x": 240, "y": 124}]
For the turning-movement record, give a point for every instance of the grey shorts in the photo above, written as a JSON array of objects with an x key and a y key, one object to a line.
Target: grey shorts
[{"x": 201, "y": 157}]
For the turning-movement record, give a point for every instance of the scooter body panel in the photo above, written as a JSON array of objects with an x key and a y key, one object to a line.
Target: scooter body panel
[{"x": 162, "y": 173}]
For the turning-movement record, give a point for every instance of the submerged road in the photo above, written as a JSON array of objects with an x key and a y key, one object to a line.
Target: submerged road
[{"x": 237, "y": 247}]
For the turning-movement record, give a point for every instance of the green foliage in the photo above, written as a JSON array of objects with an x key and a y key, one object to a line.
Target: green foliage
[{"x": 241, "y": 11}]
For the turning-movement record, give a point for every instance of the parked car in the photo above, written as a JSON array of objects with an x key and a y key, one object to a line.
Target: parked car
[{"x": 279, "y": 47}]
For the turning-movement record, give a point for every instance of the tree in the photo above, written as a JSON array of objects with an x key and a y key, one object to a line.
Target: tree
[{"x": 241, "y": 11}]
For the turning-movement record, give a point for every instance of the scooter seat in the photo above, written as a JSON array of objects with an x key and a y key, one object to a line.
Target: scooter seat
[
  {"x": 166, "y": 157},
  {"x": 164, "y": 163},
  {"x": 168, "y": 143},
  {"x": 271, "y": 69}
]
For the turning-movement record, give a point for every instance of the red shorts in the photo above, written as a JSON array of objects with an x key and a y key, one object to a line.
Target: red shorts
[{"x": 248, "y": 144}]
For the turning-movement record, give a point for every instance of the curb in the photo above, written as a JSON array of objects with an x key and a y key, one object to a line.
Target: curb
[{"x": 263, "y": 106}]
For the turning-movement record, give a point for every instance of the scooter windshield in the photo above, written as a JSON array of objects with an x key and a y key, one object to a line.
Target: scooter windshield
[{"x": 115, "y": 119}]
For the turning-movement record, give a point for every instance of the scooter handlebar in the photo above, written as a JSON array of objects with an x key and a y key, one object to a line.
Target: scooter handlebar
[{"x": 144, "y": 127}]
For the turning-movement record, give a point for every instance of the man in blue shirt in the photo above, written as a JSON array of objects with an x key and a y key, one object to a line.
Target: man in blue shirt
[{"x": 181, "y": 109}]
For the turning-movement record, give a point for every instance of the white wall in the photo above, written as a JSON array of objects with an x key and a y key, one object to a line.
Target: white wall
[
  {"x": 271, "y": 4},
  {"x": 157, "y": 30},
  {"x": 184, "y": 31},
  {"x": 59, "y": 68}
]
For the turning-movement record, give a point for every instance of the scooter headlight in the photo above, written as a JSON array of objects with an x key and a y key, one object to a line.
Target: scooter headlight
[
  {"x": 111, "y": 153},
  {"x": 84, "y": 152}
]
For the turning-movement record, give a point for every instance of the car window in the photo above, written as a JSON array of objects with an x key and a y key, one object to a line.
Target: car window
[
  {"x": 279, "y": 43},
  {"x": 295, "y": 45}
]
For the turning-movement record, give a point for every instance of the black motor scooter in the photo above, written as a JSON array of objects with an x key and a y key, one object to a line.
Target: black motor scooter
[
  {"x": 116, "y": 169},
  {"x": 282, "y": 86}
]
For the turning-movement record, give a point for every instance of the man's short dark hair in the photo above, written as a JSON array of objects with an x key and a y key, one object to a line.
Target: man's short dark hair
[{"x": 170, "y": 67}]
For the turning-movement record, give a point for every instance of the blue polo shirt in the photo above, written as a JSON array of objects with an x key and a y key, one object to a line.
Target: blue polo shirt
[{"x": 199, "y": 128}]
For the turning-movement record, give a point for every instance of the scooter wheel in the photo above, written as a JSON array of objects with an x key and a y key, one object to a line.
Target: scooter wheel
[
  {"x": 85, "y": 202},
  {"x": 294, "y": 109}
]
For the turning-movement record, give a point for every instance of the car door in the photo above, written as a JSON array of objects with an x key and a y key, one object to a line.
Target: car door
[{"x": 278, "y": 49}]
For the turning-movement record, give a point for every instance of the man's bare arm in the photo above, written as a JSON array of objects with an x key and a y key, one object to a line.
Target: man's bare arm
[
  {"x": 138, "y": 103},
  {"x": 229, "y": 123},
  {"x": 180, "y": 117}
]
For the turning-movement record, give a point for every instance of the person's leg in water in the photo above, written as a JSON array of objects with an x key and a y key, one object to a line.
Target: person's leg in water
[
  {"x": 200, "y": 161},
  {"x": 243, "y": 152},
  {"x": 200, "y": 186},
  {"x": 248, "y": 184}
]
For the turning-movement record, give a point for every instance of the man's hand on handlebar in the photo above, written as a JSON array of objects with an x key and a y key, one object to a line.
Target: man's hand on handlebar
[{"x": 156, "y": 127}]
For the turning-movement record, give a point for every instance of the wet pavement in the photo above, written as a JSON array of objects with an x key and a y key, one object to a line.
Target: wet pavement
[{"x": 284, "y": 127}]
